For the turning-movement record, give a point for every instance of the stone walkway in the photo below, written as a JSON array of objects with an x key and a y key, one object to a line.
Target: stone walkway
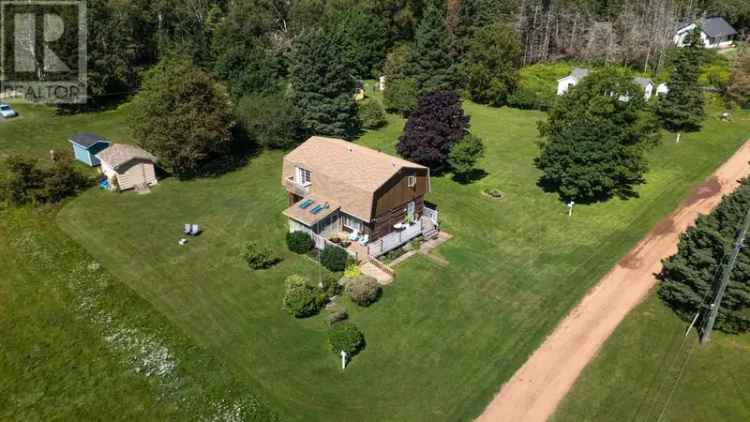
[{"x": 370, "y": 269}]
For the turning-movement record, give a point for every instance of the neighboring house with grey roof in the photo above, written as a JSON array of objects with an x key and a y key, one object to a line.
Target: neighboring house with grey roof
[
  {"x": 578, "y": 74},
  {"x": 564, "y": 84},
  {"x": 338, "y": 189},
  {"x": 127, "y": 166},
  {"x": 716, "y": 32}
]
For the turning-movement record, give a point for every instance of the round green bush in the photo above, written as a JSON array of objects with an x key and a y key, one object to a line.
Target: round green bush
[
  {"x": 363, "y": 290},
  {"x": 333, "y": 258},
  {"x": 347, "y": 337},
  {"x": 258, "y": 257},
  {"x": 302, "y": 299},
  {"x": 299, "y": 242},
  {"x": 372, "y": 114}
]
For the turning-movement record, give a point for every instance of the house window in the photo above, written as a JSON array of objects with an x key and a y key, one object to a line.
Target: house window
[
  {"x": 304, "y": 177},
  {"x": 351, "y": 223},
  {"x": 412, "y": 181}
]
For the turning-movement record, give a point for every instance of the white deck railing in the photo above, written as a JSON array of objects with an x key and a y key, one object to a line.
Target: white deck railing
[
  {"x": 322, "y": 243},
  {"x": 431, "y": 214},
  {"x": 393, "y": 240}
]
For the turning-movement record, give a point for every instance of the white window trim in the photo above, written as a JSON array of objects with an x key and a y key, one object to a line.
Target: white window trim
[
  {"x": 411, "y": 181},
  {"x": 301, "y": 174},
  {"x": 346, "y": 219}
]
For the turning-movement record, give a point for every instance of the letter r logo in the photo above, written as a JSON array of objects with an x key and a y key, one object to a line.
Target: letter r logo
[{"x": 25, "y": 51}]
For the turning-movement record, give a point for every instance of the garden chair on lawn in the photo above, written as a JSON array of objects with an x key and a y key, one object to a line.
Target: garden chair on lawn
[
  {"x": 195, "y": 230},
  {"x": 187, "y": 229}
]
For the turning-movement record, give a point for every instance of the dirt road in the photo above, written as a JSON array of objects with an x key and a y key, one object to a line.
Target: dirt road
[{"x": 535, "y": 390}]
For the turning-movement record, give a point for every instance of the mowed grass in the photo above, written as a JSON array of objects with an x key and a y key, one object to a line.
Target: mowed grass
[
  {"x": 39, "y": 129},
  {"x": 441, "y": 341},
  {"x": 79, "y": 345},
  {"x": 635, "y": 376}
]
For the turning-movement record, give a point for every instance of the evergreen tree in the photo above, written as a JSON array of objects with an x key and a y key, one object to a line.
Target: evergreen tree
[
  {"x": 362, "y": 37},
  {"x": 682, "y": 108},
  {"x": 431, "y": 60},
  {"x": 433, "y": 129},
  {"x": 739, "y": 83},
  {"x": 464, "y": 156},
  {"x": 492, "y": 62},
  {"x": 323, "y": 87},
  {"x": 688, "y": 278},
  {"x": 595, "y": 139}
]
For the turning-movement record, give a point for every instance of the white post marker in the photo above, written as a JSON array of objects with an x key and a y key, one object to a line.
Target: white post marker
[
  {"x": 343, "y": 360},
  {"x": 678, "y": 138},
  {"x": 570, "y": 208}
]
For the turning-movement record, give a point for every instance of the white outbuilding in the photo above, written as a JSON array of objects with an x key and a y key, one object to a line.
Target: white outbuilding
[
  {"x": 127, "y": 166},
  {"x": 564, "y": 84}
]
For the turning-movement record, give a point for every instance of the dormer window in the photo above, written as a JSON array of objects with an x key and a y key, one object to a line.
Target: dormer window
[{"x": 303, "y": 177}]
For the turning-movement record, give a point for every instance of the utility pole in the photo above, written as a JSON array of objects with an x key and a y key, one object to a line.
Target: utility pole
[{"x": 726, "y": 273}]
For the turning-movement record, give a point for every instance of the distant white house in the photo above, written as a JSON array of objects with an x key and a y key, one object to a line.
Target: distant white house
[
  {"x": 647, "y": 85},
  {"x": 662, "y": 89},
  {"x": 715, "y": 32},
  {"x": 564, "y": 84}
]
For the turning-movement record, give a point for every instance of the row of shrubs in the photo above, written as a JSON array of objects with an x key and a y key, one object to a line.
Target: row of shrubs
[
  {"x": 304, "y": 298},
  {"x": 25, "y": 180},
  {"x": 334, "y": 259}
]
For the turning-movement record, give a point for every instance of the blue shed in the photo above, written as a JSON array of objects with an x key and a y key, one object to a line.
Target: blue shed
[{"x": 86, "y": 146}]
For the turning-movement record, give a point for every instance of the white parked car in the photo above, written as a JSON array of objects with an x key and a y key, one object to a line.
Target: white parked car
[{"x": 6, "y": 112}]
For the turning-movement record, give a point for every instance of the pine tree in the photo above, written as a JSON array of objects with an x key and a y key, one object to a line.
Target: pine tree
[
  {"x": 492, "y": 61},
  {"x": 323, "y": 87},
  {"x": 688, "y": 278},
  {"x": 595, "y": 139},
  {"x": 431, "y": 60},
  {"x": 681, "y": 109},
  {"x": 433, "y": 129}
]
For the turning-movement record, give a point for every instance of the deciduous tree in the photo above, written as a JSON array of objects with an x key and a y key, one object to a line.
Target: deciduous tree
[
  {"x": 181, "y": 115},
  {"x": 595, "y": 138},
  {"x": 492, "y": 61},
  {"x": 433, "y": 129}
]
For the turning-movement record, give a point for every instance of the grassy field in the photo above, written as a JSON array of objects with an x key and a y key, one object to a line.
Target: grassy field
[
  {"x": 441, "y": 340},
  {"x": 79, "y": 345},
  {"x": 634, "y": 376}
]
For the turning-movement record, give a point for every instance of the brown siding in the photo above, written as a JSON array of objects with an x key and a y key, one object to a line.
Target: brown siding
[
  {"x": 397, "y": 191},
  {"x": 383, "y": 223}
]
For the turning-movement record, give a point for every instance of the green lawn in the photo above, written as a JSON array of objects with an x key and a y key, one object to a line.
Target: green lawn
[
  {"x": 38, "y": 129},
  {"x": 79, "y": 345},
  {"x": 441, "y": 340},
  {"x": 636, "y": 371}
]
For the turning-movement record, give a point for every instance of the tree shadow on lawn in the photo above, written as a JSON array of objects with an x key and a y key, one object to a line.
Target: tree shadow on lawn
[
  {"x": 625, "y": 192},
  {"x": 241, "y": 151},
  {"x": 474, "y": 175}
]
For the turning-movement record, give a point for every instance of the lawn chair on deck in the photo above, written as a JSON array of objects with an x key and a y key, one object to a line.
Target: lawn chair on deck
[
  {"x": 354, "y": 236},
  {"x": 364, "y": 239}
]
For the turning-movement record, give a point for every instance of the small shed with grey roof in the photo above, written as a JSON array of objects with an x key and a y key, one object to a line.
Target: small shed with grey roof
[
  {"x": 127, "y": 166},
  {"x": 86, "y": 146},
  {"x": 647, "y": 85},
  {"x": 576, "y": 75}
]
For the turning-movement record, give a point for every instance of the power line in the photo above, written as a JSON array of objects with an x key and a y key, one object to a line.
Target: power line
[{"x": 714, "y": 308}]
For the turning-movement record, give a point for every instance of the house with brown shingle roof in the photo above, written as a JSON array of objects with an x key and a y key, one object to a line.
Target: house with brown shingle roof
[{"x": 336, "y": 188}]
